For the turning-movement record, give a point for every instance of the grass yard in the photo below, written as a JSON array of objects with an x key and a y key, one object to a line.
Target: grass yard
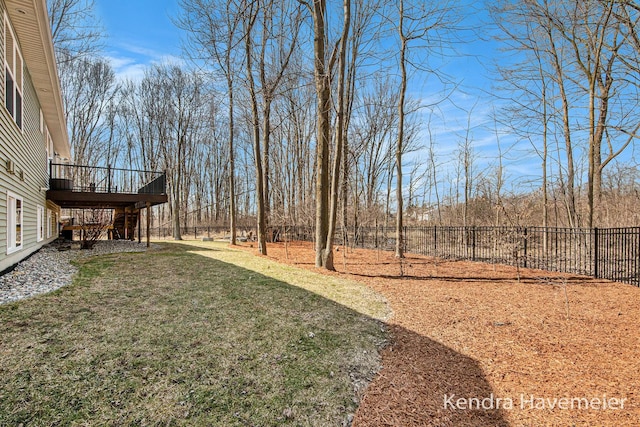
[{"x": 189, "y": 334}]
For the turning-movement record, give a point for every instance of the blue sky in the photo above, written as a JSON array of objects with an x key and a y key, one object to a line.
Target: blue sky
[{"x": 140, "y": 32}]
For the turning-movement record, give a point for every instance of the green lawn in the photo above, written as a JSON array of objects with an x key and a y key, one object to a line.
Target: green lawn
[{"x": 190, "y": 334}]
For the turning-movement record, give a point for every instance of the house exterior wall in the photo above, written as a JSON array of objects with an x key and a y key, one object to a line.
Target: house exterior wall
[{"x": 27, "y": 150}]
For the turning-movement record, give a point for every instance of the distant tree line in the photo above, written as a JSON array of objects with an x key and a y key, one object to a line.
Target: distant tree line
[{"x": 299, "y": 112}]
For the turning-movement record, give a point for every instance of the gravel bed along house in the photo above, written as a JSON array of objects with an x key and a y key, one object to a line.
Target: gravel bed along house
[{"x": 50, "y": 268}]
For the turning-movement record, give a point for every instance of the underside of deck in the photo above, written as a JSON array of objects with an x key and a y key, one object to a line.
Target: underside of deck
[{"x": 94, "y": 200}]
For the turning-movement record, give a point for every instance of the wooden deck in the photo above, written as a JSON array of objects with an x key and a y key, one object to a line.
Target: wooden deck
[{"x": 127, "y": 192}]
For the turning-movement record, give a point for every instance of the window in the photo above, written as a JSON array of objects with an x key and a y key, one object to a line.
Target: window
[
  {"x": 40, "y": 223},
  {"x": 48, "y": 145},
  {"x": 49, "y": 224},
  {"x": 13, "y": 65},
  {"x": 14, "y": 222}
]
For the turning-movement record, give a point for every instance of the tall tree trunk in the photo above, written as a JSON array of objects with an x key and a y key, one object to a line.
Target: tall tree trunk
[
  {"x": 545, "y": 153},
  {"x": 266, "y": 137},
  {"x": 255, "y": 122},
  {"x": 177, "y": 235},
  {"x": 339, "y": 137},
  {"x": 323, "y": 87},
  {"x": 232, "y": 165},
  {"x": 592, "y": 158},
  {"x": 399, "y": 145},
  {"x": 566, "y": 130}
]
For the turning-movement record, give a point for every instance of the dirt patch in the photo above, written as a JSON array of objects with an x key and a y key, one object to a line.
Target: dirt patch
[{"x": 548, "y": 349}]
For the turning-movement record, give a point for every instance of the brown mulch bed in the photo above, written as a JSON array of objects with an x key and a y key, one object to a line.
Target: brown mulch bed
[{"x": 474, "y": 331}]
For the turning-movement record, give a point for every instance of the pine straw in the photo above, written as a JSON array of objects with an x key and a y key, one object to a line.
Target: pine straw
[{"x": 474, "y": 330}]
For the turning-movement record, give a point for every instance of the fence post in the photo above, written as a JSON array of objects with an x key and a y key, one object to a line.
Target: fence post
[
  {"x": 473, "y": 243},
  {"x": 435, "y": 240},
  {"x": 637, "y": 258},
  {"x": 404, "y": 239},
  {"x": 596, "y": 254},
  {"x": 524, "y": 236}
]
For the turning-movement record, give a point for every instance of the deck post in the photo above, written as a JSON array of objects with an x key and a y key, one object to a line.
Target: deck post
[
  {"x": 126, "y": 225},
  {"x": 108, "y": 178},
  {"x": 139, "y": 225},
  {"x": 148, "y": 223}
]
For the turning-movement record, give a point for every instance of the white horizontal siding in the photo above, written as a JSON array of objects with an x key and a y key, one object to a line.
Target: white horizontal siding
[{"x": 26, "y": 149}]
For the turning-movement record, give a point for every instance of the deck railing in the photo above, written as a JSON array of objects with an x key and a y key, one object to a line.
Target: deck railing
[{"x": 98, "y": 179}]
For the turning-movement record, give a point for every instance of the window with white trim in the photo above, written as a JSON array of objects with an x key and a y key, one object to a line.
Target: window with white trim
[
  {"x": 14, "y": 222},
  {"x": 49, "y": 224},
  {"x": 40, "y": 223},
  {"x": 48, "y": 145},
  {"x": 13, "y": 67}
]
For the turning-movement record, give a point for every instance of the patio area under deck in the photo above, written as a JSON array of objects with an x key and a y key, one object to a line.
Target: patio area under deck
[{"x": 126, "y": 191}]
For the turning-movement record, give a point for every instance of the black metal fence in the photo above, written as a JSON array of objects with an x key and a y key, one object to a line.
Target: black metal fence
[{"x": 607, "y": 253}]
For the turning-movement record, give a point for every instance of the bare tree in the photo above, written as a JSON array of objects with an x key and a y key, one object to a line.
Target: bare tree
[
  {"x": 595, "y": 36},
  {"x": 363, "y": 34},
  {"x": 89, "y": 89},
  {"x": 466, "y": 157},
  {"x": 250, "y": 16},
  {"x": 339, "y": 137},
  {"x": 75, "y": 30},
  {"x": 174, "y": 98},
  {"x": 423, "y": 23},
  {"x": 293, "y": 156},
  {"x": 372, "y": 132},
  {"x": 276, "y": 18},
  {"x": 322, "y": 78},
  {"x": 94, "y": 226},
  {"x": 579, "y": 49},
  {"x": 214, "y": 33}
]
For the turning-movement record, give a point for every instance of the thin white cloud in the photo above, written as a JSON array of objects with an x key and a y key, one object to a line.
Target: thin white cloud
[
  {"x": 138, "y": 50},
  {"x": 118, "y": 63},
  {"x": 134, "y": 72},
  {"x": 130, "y": 63},
  {"x": 126, "y": 68}
]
